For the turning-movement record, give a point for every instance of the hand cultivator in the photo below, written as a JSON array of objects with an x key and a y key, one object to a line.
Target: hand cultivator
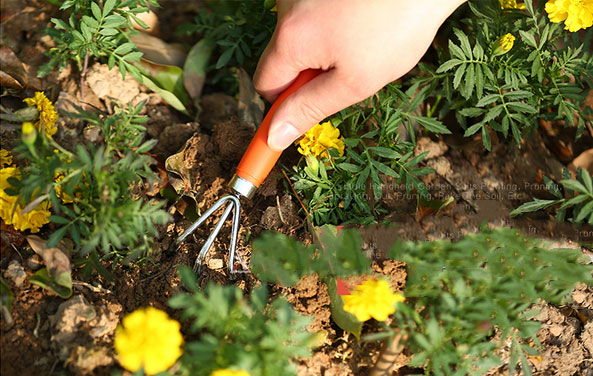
[{"x": 256, "y": 164}]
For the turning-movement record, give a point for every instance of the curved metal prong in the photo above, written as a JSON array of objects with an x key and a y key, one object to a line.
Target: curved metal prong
[
  {"x": 202, "y": 218},
  {"x": 234, "y": 234},
  {"x": 210, "y": 240}
]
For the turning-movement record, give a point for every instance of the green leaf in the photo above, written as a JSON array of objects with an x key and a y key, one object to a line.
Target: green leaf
[
  {"x": 448, "y": 65},
  {"x": 124, "y": 48},
  {"x": 533, "y": 206},
  {"x": 575, "y": 200},
  {"x": 96, "y": 11},
  {"x": 584, "y": 212},
  {"x": 486, "y": 139},
  {"x": 108, "y": 6},
  {"x": 574, "y": 185},
  {"x": 473, "y": 129},
  {"x": 188, "y": 278},
  {"x": 385, "y": 152},
  {"x": 488, "y": 99},
  {"x": 528, "y": 38},
  {"x": 61, "y": 285},
  {"x": 465, "y": 45},
  {"x": 168, "y": 96},
  {"x": 224, "y": 58},
  {"x": 432, "y": 124},
  {"x": 195, "y": 66},
  {"x": 60, "y": 24},
  {"x": 343, "y": 319},
  {"x": 585, "y": 177}
]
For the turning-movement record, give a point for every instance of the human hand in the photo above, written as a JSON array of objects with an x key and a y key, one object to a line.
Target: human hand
[{"x": 361, "y": 45}]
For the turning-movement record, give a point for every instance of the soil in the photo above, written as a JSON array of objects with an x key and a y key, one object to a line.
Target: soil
[{"x": 49, "y": 335}]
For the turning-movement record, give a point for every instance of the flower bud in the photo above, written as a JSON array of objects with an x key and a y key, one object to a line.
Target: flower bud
[
  {"x": 29, "y": 133},
  {"x": 503, "y": 44}
]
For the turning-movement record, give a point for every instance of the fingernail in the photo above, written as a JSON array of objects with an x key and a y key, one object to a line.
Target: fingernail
[{"x": 280, "y": 137}]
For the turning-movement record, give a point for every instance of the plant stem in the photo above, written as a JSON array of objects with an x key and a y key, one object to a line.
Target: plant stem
[
  {"x": 83, "y": 74},
  {"x": 387, "y": 362}
]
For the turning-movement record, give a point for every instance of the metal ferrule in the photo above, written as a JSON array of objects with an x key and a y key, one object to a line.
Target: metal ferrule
[{"x": 243, "y": 187}]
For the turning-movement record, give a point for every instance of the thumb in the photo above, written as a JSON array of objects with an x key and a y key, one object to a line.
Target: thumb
[{"x": 323, "y": 96}]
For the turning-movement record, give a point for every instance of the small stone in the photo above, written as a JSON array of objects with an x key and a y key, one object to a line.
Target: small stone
[
  {"x": 15, "y": 273},
  {"x": 556, "y": 330},
  {"x": 215, "y": 263}
]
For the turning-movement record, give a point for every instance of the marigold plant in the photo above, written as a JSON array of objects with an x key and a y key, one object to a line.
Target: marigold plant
[{"x": 148, "y": 339}]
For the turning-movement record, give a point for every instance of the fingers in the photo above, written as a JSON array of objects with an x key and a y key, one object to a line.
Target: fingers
[
  {"x": 323, "y": 96},
  {"x": 275, "y": 72}
]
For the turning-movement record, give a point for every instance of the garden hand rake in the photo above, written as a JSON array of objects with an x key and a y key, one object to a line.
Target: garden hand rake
[{"x": 256, "y": 164}]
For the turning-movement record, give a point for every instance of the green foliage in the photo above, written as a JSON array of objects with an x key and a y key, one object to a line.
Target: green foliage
[
  {"x": 338, "y": 256},
  {"x": 457, "y": 293},
  {"x": 547, "y": 68},
  {"x": 240, "y": 30},
  {"x": 91, "y": 189},
  {"x": 94, "y": 31},
  {"x": 247, "y": 333},
  {"x": 576, "y": 204}
]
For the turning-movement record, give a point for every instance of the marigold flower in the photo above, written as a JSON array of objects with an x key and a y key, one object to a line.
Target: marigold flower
[
  {"x": 10, "y": 208},
  {"x": 229, "y": 372},
  {"x": 576, "y": 14},
  {"x": 503, "y": 44},
  {"x": 319, "y": 139},
  {"x": 47, "y": 113},
  {"x": 148, "y": 339},
  {"x": 373, "y": 298},
  {"x": 5, "y": 158},
  {"x": 511, "y": 4},
  {"x": 66, "y": 198}
]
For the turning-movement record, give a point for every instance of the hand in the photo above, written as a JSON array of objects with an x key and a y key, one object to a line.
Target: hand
[{"x": 362, "y": 45}]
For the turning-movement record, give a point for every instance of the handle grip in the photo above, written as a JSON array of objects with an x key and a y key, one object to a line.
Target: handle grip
[{"x": 259, "y": 159}]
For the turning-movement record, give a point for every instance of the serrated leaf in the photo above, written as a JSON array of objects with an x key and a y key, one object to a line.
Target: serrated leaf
[
  {"x": 532, "y": 206},
  {"x": 528, "y": 38},
  {"x": 448, "y": 65},
  {"x": 574, "y": 185}
]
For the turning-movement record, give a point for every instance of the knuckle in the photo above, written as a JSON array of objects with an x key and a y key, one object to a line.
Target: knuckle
[{"x": 311, "y": 113}]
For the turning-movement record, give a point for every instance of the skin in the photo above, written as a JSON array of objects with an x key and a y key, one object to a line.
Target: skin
[{"x": 361, "y": 45}]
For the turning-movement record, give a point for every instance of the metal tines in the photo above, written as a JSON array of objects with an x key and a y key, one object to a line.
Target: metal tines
[{"x": 233, "y": 204}]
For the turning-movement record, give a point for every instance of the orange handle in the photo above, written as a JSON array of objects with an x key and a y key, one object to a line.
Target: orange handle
[{"x": 259, "y": 159}]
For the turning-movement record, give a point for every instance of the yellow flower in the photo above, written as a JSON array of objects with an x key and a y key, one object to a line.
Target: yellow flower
[
  {"x": 511, "y": 4},
  {"x": 10, "y": 208},
  {"x": 47, "y": 113},
  {"x": 5, "y": 158},
  {"x": 576, "y": 14},
  {"x": 503, "y": 44},
  {"x": 229, "y": 372},
  {"x": 66, "y": 198},
  {"x": 148, "y": 339},
  {"x": 319, "y": 139},
  {"x": 373, "y": 298},
  {"x": 37, "y": 217}
]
